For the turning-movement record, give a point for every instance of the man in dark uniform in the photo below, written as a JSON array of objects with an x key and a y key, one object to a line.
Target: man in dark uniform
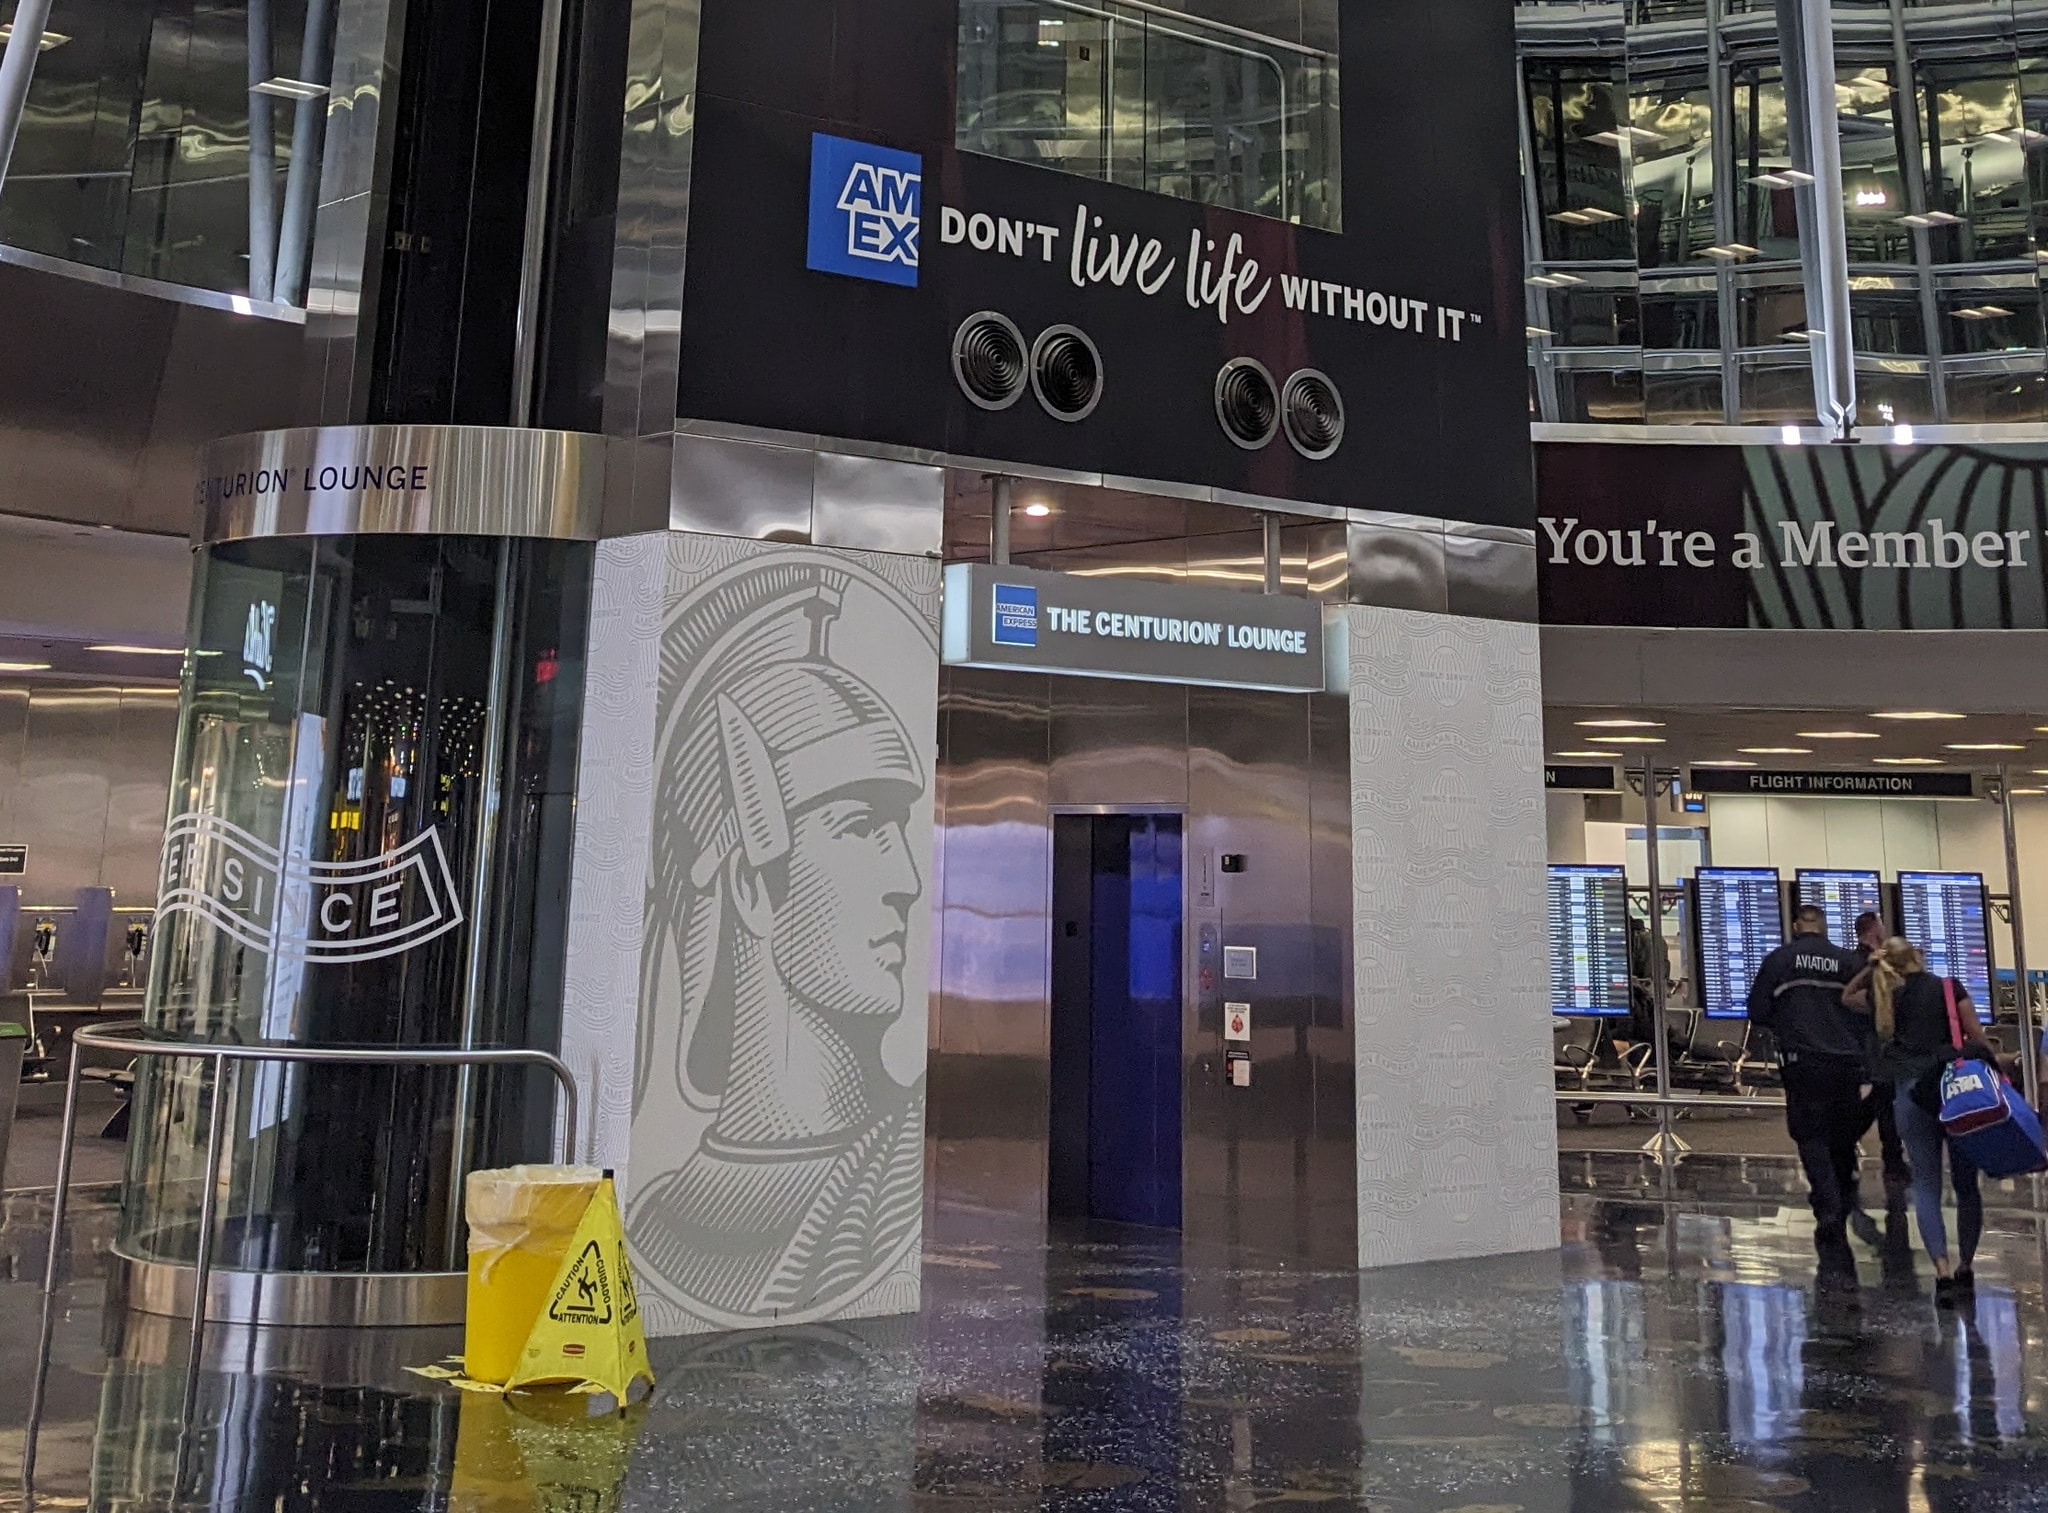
[
  {"x": 1878, "y": 1107},
  {"x": 1824, "y": 1048}
]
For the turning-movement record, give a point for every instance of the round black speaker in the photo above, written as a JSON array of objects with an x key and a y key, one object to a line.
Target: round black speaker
[
  {"x": 1247, "y": 404},
  {"x": 1312, "y": 411},
  {"x": 1066, "y": 372},
  {"x": 988, "y": 360}
]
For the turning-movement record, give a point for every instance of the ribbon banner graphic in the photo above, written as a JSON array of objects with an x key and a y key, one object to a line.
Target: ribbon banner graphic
[{"x": 306, "y": 910}]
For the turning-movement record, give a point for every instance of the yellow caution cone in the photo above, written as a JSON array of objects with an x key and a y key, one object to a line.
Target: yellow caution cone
[{"x": 588, "y": 1335}]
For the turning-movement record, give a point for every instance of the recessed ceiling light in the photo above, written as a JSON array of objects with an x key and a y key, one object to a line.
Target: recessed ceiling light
[
  {"x": 1582, "y": 753},
  {"x": 1984, "y": 746},
  {"x": 1728, "y": 763},
  {"x": 2030, "y": 791},
  {"x": 1038, "y": 511},
  {"x": 1620, "y": 724},
  {"x": 1907, "y": 761},
  {"x": 1837, "y": 735},
  {"x": 1630, "y": 740},
  {"x": 24, "y": 667},
  {"x": 1915, "y": 714},
  {"x": 140, "y": 651},
  {"x": 1775, "y": 750}
]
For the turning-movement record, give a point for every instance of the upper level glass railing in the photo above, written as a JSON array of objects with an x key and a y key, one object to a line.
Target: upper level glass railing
[
  {"x": 1204, "y": 103},
  {"x": 175, "y": 141}
]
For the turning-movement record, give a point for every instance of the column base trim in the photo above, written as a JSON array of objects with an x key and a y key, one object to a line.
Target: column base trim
[{"x": 294, "y": 1299}]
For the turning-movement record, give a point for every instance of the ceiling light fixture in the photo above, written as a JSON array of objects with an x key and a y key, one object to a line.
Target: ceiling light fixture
[
  {"x": 1775, "y": 750},
  {"x": 1038, "y": 511},
  {"x": 1915, "y": 714},
  {"x": 1730, "y": 762},
  {"x": 1630, "y": 740},
  {"x": 1619, "y": 724},
  {"x": 1907, "y": 761},
  {"x": 24, "y": 667},
  {"x": 1606, "y": 754},
  {"x": 1837, "y": 735},
  {"x": 282, "y": 88},
  {"x": 44, "y": 43},
  {"x": 1984, "y": 746},
  {"x": 138, "y": 651}
]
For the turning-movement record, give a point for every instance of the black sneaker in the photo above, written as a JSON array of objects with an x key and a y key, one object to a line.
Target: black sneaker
[
  {"x": 1864, "y": 1228},
  {"x": 1965, "y": 1280},
  {"x": 1945, "y": 1292}
]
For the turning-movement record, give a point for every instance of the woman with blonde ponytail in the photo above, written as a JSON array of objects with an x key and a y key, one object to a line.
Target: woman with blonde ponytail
[{"x": 1923, "y": 1022}]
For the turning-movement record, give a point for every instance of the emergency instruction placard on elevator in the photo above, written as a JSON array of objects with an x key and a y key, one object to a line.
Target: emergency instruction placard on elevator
[{"x": 999, "y": 616}]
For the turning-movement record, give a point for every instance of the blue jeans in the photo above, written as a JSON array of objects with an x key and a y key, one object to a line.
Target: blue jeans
[{"x": 1925, "y": 1140}]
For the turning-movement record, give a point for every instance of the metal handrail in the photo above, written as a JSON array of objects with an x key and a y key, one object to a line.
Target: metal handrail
[{"x": 125, "y": 1038}]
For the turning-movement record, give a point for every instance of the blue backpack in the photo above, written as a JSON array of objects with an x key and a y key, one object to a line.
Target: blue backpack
[{"x": 1983, "y": 1114}]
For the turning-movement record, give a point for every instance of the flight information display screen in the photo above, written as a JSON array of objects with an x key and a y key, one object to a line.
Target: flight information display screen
[
  {"x": 1588, "y": 940},
  {"x": 1841, "y": 895},
  {"x": 1741, "y": 921},
  {"x": 1943, "y": 914}
]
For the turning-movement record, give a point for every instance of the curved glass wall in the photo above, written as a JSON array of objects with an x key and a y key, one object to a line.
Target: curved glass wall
[
  {"x": 176, "y": 140},
  {"x": 1224, "y": 102},
  {"x": 377, "y": 733},
  {"x": 1668, "y": 195}
]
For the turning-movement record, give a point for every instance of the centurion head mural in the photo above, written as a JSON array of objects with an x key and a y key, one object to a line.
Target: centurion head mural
[{"x": 787, "y": 867}]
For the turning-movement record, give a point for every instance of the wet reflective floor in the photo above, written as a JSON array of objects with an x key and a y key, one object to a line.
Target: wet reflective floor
[{"x": 1670, "y": 1356}]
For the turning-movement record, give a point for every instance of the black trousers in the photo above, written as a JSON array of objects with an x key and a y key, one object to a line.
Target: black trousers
[
  {"x": 1880, "y": 1108},
  {"x": 1825, "y": 1118}
]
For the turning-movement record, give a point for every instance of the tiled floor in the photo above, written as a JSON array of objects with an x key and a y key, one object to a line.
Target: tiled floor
[{"x": 1671, "y": 1356}]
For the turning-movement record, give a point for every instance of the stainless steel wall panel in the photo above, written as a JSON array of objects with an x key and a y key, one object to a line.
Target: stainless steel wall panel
[
  {"x": 874, "y": 504},
  {"x": 1144, "y": 561},
  {"x": 1489, "y": 579},
  {"x": 1332, "y": 1037},
  {"x": 1315, "y": 560},
  {"x": 14, "y": 699},
  {"x": 62, "y": 809},
  {"x": 75, "y": 585},
  {"x": 1268, "y": 1167},
  {"x": 349, "y": 218},
  {"x": 1118, "y": 743},
  {"x": 737, "y": 488},
  {"x": 1396, "y": 567},
  {"x": 1257, "y": 1172},
  {"x": 223, "y": 375},
  {"x": 138, "y": 766},
  {"x": 989, "y": 1034},
  {"x": 644, "y": 356},
  {"x": 474, "y": 481},
  {"x": 108, "y": 390},
  {"x": 1234, "y": 560},
  {"x": 81, "y": 376}
]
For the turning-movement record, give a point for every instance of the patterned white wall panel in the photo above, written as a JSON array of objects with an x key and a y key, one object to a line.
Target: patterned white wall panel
[
  {"x": 753, "y": 904},
  {"x": 1457, "y": 1138},
  {"x": 608, "y": 874}
]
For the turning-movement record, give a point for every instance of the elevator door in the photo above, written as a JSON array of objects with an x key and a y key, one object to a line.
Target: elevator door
[{"x": 1114, "y": 1147}]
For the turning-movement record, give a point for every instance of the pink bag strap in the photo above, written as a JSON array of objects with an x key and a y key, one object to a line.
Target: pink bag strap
[{"x": 1955, "y": 1022}]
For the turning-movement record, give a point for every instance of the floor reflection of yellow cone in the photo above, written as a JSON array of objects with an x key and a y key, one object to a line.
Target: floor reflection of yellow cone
[
  {"x": 588, "y": 1334},
  {"x": 574, "y": 1464},
  {"x": 490, "y": 1472}
]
